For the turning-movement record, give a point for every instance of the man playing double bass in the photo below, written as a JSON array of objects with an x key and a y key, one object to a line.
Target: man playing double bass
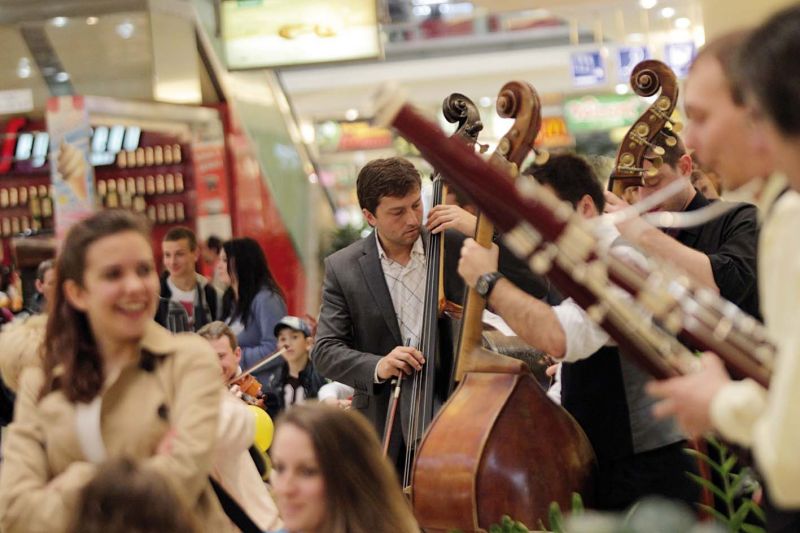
[
  {"x": 373, "y": 290},
  {"x": 636, "y": 454}
]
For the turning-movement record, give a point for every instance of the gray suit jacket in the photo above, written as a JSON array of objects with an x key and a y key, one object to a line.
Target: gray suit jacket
[{"x": 357, "y": 323}]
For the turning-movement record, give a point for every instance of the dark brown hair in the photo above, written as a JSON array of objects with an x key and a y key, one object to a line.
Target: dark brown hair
[
  {"x": 125, "y": 498},
  {"x": 69, "y": 341},
  {"x": 393, "y": 176},
  {"x": 724, "y": 50},
  {"x": 361, "y": 488},
  {"x": 768, "y": 68},
  {"x": 571, "y": 177},
  {"x": 248, "y": 264},
  {"x": 182, "y": 232}
]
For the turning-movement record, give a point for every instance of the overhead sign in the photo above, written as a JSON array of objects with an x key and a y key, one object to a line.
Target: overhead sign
[
  {"x": 16, "y": 101},
  {"x": 598, "y": 113},
  {"x": 273, "y": 33},
  {"x": 347, "y": 136},
  {"x": 627, "y": 58},
  {"x": 587, "y": 68},
  {"x": 679, "y": 57}
]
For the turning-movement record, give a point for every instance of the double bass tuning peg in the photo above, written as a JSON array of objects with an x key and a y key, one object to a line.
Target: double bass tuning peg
[{"x": 542, "y": 157}]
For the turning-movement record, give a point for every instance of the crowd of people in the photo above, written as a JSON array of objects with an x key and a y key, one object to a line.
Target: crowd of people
[{"x": 142, "y": 401}]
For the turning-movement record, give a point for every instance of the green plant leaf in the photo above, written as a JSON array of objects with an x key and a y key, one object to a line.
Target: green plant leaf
[
  {"x": 716, "y": 514},
  {"x": 738, "y": 517},
  {"x": 704, "y": 458},
  {"x": 756, "y": 510},
  {"x": 749, "y": 528},
  {"x": 703, "y": 482},
  {"x": 577, "y": 504},
  {"x": 556, "y": 518},
  {"x": 729, "y": 463}
]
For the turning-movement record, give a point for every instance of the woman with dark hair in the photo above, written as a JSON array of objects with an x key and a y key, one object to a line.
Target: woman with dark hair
[
  {"x": 256, "y": 302},
  {"x": 329, "y": 475},
  {"x": 112, "y": 383}
]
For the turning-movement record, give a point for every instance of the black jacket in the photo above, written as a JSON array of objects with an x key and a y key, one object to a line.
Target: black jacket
[{"x": 274, "y": 399}]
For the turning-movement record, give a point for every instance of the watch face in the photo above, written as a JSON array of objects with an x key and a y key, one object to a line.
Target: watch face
[{"x": 481, "y": 285}]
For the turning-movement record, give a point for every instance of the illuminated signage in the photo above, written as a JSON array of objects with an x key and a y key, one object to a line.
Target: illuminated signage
[
  {"x": 587, "y": 68},
  {"x": 271, "y": 33},
  {"x": 31, "y": 147},
  {"x": 603, "y": 112}
]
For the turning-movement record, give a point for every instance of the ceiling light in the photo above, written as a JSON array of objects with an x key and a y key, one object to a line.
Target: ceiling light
[
  {"x": 667, "y": 12},
  {"x": 61, "y": 77},
  {"x": 485, "y": 101},
  {"x": 91, "y": 21},
  {"x": 125, "y": 29},
  {"x": 24, "y": 68},
  {"x": 621, "y": 88},
  {"x": 683, "y": 23},
  {"x": 648, "y": 4},
  {"x": 59, "y": 22},
  {"x": 351, "y": 114}
]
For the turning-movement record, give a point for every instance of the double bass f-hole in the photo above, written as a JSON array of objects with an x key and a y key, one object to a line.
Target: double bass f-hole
[{"x": 640, "y": 142}]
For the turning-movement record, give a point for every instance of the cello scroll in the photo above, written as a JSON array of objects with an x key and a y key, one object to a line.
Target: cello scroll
[{"x": 647, "y": 78}]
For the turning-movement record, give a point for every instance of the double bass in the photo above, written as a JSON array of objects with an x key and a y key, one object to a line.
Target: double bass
[{"x": 499, "y": 445}]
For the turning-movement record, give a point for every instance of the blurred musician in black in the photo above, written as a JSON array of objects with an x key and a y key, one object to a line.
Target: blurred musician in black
[{"x": 637, "y": 454}]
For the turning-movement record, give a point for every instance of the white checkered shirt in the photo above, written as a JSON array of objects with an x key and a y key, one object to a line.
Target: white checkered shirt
[{"x": 407, "y": 289}]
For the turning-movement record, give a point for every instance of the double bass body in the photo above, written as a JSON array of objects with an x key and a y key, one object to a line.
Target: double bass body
[{"x": 499, "y": 446}]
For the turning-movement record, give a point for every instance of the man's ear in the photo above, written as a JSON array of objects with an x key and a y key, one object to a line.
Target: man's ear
[
  {"x": 685, "y": 165},
  {"x": 371, "y": 220},
  {"x": 75, "y": 295},
  {"x": 586, "y": 207},
  {"x": 238, "y": 354},
  {"x": 309, "y": 343}
]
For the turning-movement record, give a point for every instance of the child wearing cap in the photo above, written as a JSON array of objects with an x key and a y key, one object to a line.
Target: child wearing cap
[{"x": 295, "y": 380}]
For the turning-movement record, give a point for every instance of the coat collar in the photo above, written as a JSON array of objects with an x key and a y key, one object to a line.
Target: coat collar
[{"x": 158, "y": 341}]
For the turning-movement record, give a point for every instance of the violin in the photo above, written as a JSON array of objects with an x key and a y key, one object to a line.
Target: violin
[{"x": 249, "y": 386}]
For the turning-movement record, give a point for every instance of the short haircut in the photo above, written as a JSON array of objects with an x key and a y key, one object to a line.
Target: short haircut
[
  {"x": 724, "y": 50},
  {"x": 44, "y": 266},
  {"x": 768, "y": 67},
  {"x": 182, "y": 232},
  {"x": 672, "y": 154},
  {"x": 216, "y": 330},
  {"x": 392, "y": 176},
  {"x": 214, "y": 243},
  {"x": 571, "y": 177}
]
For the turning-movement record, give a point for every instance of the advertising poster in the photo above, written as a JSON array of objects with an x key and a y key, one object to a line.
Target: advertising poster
[
  {"x": 71, "y": 175},
  {"x": 213, "y": 203}
]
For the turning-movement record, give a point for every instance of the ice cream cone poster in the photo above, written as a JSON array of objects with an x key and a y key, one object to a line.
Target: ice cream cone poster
[{"x": 71, "y": 173}]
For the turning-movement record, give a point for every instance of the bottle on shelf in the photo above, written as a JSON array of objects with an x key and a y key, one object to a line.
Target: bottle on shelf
[
  {"x": 178, "y": 182},
  {"x": 3, "y": 197},
  {"x": 168, "y": 155},
  {"x": 169, "y": 183},
  {"x": 140, "y": 189},
  {"x": 160, "y": 186},
  {"x": 170, "y": 212},
  {"x": 149, "y": 156},
  {"x": 176, "y": 153},
  {"x": 158, "y": 155},
  {"x": 180, "y": 215},
  {"x": 13, "y": 197},
  {"x": 23, "y": 195},
  {"x": 151, "y": 185}
]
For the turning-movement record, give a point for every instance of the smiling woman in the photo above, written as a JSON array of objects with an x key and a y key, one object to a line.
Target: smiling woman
[
  {"x": 330, "y": 475},
  {"x": 114, "y": 383}
]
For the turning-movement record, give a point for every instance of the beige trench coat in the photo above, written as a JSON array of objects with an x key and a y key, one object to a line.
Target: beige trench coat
[{"x": 44, "y": 468}]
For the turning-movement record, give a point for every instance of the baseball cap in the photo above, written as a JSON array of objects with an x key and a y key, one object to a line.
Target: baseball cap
[{"x": 293, "y": 322}]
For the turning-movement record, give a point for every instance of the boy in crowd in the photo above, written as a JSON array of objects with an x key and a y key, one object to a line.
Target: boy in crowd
[
  {"x": 295, "y": 380},
  {"x": 188, "y": 301}
]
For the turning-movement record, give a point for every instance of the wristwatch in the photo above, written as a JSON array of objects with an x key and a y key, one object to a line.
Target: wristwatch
[{"x": 486, "y": 283}]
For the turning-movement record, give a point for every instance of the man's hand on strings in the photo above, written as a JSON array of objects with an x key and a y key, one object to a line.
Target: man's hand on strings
[
  {"x": 688, "y": 398},
  {"x": 401, "y": 360},
  {"x": 446, "y": 216},
  {"x": 476, "y": 261}
]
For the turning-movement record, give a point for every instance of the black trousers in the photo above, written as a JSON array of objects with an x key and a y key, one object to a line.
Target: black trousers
[{"x": 621, "y": 482}]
